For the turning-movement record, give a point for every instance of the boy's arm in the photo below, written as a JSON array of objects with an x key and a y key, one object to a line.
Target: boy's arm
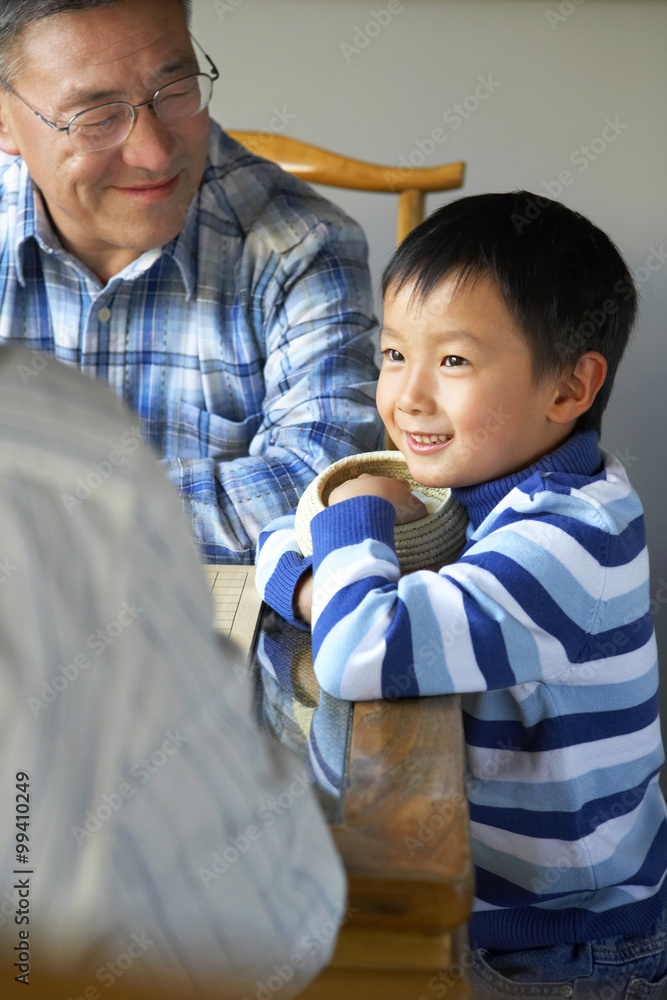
[
  {"x": 283, "y": 575},
  {"x": 524, "y": 603}
]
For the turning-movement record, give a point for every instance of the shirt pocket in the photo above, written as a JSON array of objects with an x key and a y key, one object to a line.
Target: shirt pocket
[{"x": 190, "y": 432}]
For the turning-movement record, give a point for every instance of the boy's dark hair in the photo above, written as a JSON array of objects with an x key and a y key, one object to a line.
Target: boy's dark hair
[
  {"x": 16, "y": 15},
  {"x": 562, "y": 279}
]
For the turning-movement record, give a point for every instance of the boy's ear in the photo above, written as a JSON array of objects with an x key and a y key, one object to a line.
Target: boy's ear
[
  {"x": 575, "y": 392},
  {"x": 7, "y": 141}
]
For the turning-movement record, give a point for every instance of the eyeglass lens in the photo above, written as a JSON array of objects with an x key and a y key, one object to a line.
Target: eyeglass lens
[{"x": 110, "y": 124}]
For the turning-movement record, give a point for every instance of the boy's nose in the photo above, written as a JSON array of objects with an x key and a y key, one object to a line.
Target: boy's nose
[{"x": 417, "y": 394}]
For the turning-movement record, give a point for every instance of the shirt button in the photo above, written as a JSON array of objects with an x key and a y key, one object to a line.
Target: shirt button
[
  {"x": 565, "y": 990},
  {"x": 104, "y": 315},
  {"x": 634, "y": 985}
]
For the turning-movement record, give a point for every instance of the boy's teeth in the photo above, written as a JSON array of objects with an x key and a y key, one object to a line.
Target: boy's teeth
[{"x": 429, "y": 438}]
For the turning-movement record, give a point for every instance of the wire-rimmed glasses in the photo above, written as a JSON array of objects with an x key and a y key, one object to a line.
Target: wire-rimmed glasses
[{"x": 108, "y": 125}]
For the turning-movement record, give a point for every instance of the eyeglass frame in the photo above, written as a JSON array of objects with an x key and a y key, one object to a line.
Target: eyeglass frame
[{"x": 212, "y": 76}]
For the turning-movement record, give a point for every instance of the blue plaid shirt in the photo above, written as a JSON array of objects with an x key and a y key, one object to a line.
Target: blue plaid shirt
[{"x": 245, "y": 344}]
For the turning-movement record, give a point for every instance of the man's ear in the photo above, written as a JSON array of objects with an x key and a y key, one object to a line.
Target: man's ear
[
  {"x": 7, "y": 142},
  {"x": 577, "y": 390}
]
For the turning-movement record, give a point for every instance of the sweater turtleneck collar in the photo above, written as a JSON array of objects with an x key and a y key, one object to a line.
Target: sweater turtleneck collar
[{"x": 579, "y": 455}]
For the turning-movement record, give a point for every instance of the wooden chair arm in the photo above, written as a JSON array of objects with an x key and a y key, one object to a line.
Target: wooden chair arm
[
  {"x": 405, "y": 831},
  {"x": 320, "y": 166}
]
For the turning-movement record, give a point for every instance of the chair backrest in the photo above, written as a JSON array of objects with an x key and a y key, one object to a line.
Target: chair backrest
[{"x": 320, "y": 166}]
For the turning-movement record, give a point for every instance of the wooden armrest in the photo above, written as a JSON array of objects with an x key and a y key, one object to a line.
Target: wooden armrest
[
  {"x": 405, "y": 839},
  {"x": 321, "y": 166},
  {"x": 405, "y": 807}
]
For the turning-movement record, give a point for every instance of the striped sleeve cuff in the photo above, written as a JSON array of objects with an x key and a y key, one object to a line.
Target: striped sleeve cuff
[{"x": 351, "y": 522}]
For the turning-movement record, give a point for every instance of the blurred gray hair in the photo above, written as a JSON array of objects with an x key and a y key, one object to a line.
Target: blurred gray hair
[{"x": 16, "y": 15}]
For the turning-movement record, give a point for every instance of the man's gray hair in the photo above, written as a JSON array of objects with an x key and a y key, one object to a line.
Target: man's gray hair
[{"x": 16, "y": 15}]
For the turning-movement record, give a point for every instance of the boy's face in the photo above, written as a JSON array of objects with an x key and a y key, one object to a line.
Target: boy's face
[{"x": 456, "y": 390}]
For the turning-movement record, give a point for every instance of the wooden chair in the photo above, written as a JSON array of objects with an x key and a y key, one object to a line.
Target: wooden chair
[{"x": 319, "y": 166}]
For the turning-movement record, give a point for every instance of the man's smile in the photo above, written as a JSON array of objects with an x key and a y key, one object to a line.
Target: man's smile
[{"x": 154, "y": 191}]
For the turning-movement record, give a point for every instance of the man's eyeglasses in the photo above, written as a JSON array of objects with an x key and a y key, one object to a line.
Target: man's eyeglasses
[{"x": 108, "y": 125}]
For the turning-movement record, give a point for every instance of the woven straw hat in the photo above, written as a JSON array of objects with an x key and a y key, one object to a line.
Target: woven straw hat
[{"x": 433, "y": 540}]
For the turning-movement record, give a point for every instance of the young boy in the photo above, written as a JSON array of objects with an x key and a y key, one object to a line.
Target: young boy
[{"x": 506, "y": 316}]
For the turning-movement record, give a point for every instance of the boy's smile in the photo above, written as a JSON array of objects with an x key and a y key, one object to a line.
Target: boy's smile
[{"x": 457, "y": 392}]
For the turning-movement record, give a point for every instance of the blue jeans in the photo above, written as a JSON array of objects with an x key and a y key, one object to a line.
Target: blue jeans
[{"x": 617, "y": 968}]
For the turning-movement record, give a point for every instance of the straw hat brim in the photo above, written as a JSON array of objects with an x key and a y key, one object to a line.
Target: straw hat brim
[{"x": 433, "y": 540}]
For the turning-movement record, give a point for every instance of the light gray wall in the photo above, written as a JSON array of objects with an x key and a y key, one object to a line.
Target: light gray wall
[{"x": 555, "y": 72}]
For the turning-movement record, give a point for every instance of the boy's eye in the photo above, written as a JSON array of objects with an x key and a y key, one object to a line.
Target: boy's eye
[
  {"x": 453, "y": 361},
  {"x": 393, "y": 355}
]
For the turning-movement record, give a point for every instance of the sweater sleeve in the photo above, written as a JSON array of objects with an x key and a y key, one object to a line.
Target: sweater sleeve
[
  {"x": 279, "y": 566},
  {"x": 524, "y": 603}
]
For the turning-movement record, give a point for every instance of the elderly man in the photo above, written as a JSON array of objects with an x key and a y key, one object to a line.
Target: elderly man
[{"x": 226, "y": 302}]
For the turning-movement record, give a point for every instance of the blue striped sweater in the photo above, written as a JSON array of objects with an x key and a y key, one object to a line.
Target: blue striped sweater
[{"x": 544, "y": 627}]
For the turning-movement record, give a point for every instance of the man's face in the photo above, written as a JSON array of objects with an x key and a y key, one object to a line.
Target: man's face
[{"x": 108, "y": 206}]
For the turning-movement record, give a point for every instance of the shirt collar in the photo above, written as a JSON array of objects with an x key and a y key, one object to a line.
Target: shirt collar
[
  {"x": 579, "y": 455},
  {"x": 27, "y": 225},
  {"x": 32, "y": 222}
]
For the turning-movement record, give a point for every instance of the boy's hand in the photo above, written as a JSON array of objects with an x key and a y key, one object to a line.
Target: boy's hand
[
  {"x": 396, "y": 491},
  {"x": 303, "y": 597}
]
